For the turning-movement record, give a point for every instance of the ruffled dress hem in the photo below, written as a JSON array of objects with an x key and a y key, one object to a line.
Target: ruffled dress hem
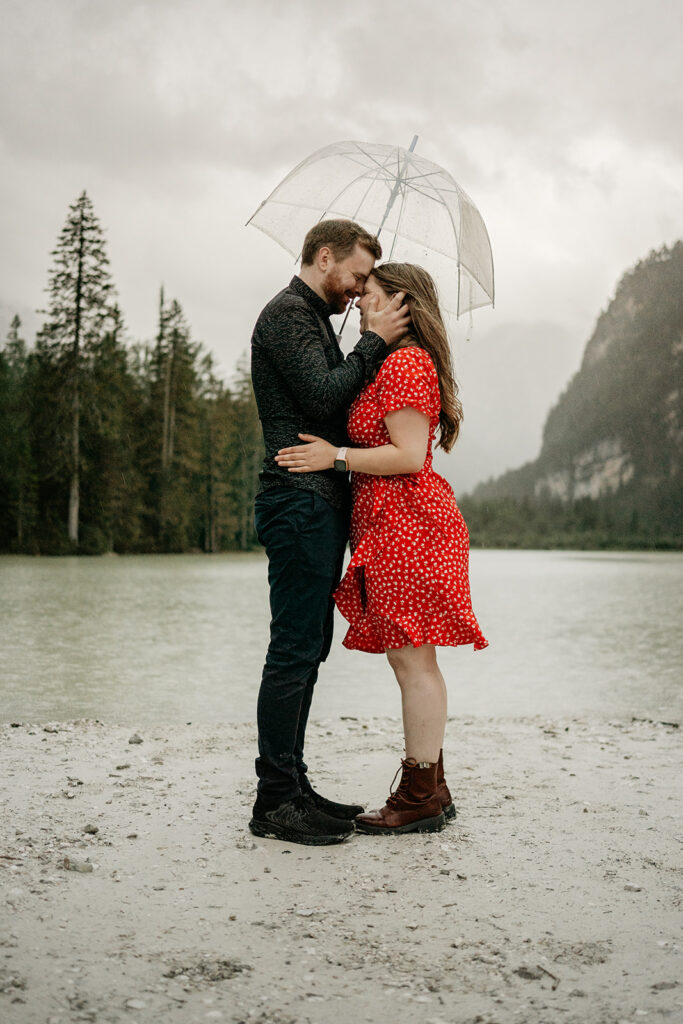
[{"x": 376, "y": 631}]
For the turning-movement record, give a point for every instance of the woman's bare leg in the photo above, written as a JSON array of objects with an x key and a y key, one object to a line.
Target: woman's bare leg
[{"x": 423, "y": 698}]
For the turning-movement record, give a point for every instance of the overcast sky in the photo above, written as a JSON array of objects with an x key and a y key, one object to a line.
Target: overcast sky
[{"x": 563, "y": 122}]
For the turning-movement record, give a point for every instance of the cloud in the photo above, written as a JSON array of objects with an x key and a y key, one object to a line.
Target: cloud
[
  {"x": 247, "y": 85},
  {"x": 561, "y": 121}
]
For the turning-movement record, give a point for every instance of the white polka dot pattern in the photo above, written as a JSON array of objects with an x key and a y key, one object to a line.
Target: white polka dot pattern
[{"x": 407, "y": 581}]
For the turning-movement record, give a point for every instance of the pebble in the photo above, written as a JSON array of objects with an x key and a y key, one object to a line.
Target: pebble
[
  {"x": 15, "y": 896},
  {"x": 135, "y": 738},
  {"x": 72, "y": 863},
  {"x": 135, "y": 1004},
  {"x": 630, "y": 887},
  {"x": 92, "y": 830},
  {"x": 528, "y": 973}
]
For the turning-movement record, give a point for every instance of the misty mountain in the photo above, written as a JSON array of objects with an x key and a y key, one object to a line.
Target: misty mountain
[
  {"x": 616, "y": 433},
  {"x": 509, "y": 377}
]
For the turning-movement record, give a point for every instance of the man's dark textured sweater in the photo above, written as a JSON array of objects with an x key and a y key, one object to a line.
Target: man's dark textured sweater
[{"x": 303, "y": 384}]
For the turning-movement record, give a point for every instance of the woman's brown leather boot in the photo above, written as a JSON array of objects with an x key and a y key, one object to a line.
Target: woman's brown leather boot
[
  {"x": 414, "y": 806},
  {"x": 447, "y": 805}
]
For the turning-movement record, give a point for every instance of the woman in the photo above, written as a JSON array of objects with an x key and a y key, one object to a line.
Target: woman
[{"x": 406, "y": 590}]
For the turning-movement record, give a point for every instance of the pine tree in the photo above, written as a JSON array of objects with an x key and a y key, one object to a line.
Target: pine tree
[
  {"x": 109, "y": 479},
  {"x": 80, "y": 309},
  {"x": 16, "y": 467},
  {"x": 172, "y": 461},
  {"x": 249, "y": 452},
  {"x": 212, "y": 400}
]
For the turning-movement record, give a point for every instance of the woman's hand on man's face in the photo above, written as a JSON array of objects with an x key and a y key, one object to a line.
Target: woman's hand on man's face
[
  {"x": 392, "y": 322},
  {"x": 318, "y": 454}
]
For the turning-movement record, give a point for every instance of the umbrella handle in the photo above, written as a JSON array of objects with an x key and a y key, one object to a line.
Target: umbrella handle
[{"x": 348, "y": 310}]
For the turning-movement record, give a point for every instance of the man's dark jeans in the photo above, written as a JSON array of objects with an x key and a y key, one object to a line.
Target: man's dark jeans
[{"x": 304, "y": 538}]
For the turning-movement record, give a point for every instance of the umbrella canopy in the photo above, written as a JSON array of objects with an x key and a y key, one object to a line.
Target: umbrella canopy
[{"x": 418, "y": 209}]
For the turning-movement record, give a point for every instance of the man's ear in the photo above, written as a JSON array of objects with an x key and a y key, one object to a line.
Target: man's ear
[{"x": 323, "y": 257}]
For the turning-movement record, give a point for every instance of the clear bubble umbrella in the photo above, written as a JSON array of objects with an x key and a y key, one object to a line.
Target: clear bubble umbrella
[{"x": 416, "y": 207}]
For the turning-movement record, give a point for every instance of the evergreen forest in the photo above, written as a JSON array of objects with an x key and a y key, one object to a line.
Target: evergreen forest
[{"x": 108, "y": 446}]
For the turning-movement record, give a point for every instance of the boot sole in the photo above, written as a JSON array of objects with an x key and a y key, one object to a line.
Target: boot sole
[
  {"x": 287, "y": 835},
  {"x": 450, "y": 812},
  {"x": 424, "y": 825}
]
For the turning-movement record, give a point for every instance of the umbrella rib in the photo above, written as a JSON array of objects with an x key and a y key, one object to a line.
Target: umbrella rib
[
  {"x": 353, "y": 158},
  {"x": 424, "y": 174},
  {"x": 369, "y": 156},
  {"x": 456, "y": 190},
  {"x": 460, "y": 262},
  {"x": 427, "y": 195},
  {"x": 341, "y": 193},
  {"x": 457, "y": 243},
  {"x": 380, "y": 167},
  {"x": 457, "y": 240},
  {"x": 302, "y": 206},
  {"x": 398, "y": 222},
  {"x": 397, "y": 149},
  {"x": 398, "y": 183},
  {"x": 365, "y": 196}
]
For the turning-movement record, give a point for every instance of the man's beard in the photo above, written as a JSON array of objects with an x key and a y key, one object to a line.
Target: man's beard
[{"x": 334, "y": 293}]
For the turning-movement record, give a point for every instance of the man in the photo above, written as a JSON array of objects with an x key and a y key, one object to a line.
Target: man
[{"x": 303, "y": 384}]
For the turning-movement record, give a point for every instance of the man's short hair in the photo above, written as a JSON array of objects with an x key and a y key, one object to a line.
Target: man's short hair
[{"x": 341, "y": 237}]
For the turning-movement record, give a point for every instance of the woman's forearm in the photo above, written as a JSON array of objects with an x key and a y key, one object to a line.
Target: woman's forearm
[{"x": 387, "y": 460}]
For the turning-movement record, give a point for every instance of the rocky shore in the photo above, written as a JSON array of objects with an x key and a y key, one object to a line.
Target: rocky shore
[{"x": 133, "y": 891}]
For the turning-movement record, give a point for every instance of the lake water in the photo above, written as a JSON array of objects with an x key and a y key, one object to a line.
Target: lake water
[{"x": 181, "y": 638}]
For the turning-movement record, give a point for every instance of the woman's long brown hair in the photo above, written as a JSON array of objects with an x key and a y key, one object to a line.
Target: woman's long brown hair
[{"x": 427, "y": 331}]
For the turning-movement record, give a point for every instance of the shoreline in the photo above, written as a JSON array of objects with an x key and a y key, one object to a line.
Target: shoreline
[
  {"x": 555, "y": 895},
  {"x": 666, "y": 547}
]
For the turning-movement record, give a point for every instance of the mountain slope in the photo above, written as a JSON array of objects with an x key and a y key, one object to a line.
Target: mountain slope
[{"x": 616, "y": 433}]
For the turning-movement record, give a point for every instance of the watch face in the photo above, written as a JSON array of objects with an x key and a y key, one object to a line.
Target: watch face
[{"x": 340, "y": 464}]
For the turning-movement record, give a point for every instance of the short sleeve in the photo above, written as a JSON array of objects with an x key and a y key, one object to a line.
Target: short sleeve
[{"x": 407, "y": 379}]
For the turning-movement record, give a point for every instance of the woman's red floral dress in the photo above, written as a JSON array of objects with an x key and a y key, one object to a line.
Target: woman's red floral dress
[{"x": 407, "y": 581}]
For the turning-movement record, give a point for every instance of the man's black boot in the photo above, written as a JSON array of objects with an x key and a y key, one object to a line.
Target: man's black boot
[
  {"x": 298, "y": 821},
  {"x": 342, "y": 812}
]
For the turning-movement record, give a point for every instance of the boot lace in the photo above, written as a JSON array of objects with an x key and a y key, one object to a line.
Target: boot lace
[{"x": 403, "y": 788}]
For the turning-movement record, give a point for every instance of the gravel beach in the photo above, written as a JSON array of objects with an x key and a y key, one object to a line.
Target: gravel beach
[{"x": 133, "y": 891}]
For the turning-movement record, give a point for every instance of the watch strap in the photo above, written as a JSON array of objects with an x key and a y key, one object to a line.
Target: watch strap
[{"x": 340, "y": 462}]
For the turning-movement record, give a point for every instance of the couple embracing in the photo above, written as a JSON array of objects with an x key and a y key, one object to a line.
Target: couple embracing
[{"x": 375, "y": 413}]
